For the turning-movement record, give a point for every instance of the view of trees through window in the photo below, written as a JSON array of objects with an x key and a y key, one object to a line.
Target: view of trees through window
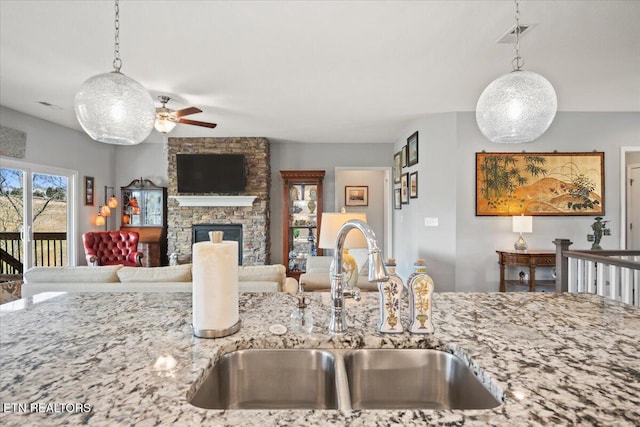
[{"x": 49, "y": 217}]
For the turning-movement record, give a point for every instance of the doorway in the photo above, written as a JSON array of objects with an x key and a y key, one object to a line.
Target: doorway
[
  {"x": 379, "y": 206},
  {"x": 630, "y": 198},
  {"x": 36, "y": 217}
]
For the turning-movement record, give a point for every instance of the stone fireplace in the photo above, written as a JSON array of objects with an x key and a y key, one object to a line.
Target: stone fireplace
[{"x": 253, "y": 220}]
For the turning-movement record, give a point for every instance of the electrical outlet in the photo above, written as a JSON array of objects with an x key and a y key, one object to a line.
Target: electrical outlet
[{"x": 431, "y": 222}]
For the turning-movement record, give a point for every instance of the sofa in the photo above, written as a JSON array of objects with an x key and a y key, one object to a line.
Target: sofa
[
  {"x": 118, "y": 278},
  {"x": 316, "y": 278}
]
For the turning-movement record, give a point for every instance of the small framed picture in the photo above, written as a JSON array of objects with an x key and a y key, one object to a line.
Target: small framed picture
[
  {"x": 89, "y": 190},
  {"x": 356, "y": 195},
  {"x": 404, "y": 188},
  {"x": 403, "y": 156},
  {"x": 397, "y": 167},
  {"x": 413, "y": 185},
  {"x": 412, "y": 149},
  {"x": 397, "y": 198}
]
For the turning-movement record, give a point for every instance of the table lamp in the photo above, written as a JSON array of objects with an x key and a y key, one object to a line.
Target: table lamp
[
  {"x": 329, "y": 227},
  {"x": 521, "y": 224}
]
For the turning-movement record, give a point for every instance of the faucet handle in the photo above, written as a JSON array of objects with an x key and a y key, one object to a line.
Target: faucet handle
[{"x": 352, "y": 292}]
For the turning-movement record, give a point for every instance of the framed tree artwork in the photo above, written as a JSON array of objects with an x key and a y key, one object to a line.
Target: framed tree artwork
[
  {"x": 544, "y": 184},
  {"x": 397, "y": 167}
]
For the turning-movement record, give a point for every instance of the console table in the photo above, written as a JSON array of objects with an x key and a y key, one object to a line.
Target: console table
[{"x": 531, "y": 259}]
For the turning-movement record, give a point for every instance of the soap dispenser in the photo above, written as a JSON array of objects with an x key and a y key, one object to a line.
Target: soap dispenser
[
  {"x": 420, "y": 299},
  {"x": 390, "y": 294},
  {"x": 301, "y": 317}
]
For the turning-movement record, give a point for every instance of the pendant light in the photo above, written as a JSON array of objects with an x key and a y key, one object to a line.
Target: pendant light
[
  {"x": 518, "y": 106},
  {"x": 112, "y": 107}
]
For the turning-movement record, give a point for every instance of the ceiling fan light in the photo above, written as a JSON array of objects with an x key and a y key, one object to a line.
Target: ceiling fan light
[
  {"x": 516, "y": 107},
  {"x": 115, "y": 109},
  {"x": 163, "y": 125}
]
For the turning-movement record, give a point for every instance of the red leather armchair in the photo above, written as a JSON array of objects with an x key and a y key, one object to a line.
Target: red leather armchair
[{"x": 112, "y": 248}]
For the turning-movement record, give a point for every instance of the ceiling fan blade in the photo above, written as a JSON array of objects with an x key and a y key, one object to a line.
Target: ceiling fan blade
[
  {"x": 187, "y": 111},
  {"x": 197, "y": 123}
]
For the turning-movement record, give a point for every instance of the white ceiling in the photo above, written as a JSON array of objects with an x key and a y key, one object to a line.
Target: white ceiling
[{"x": 316, "y": 71}]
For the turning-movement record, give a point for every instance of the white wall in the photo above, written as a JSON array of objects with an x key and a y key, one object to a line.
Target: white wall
[
  {"x": 437, "y": 164},
  {"x": 53, "y": 145},
  {"x": 475, "y": 239}
]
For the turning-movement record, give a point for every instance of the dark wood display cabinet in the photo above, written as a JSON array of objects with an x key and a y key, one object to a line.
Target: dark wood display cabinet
[
  {"x": 145, "y": 211},
  {"x": 301, "y": 218}
]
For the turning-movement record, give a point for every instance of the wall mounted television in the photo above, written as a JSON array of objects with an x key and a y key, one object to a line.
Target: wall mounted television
[{"x": 210, "y": 173}]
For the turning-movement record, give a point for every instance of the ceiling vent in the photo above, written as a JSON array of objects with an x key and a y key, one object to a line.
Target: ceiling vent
[{"x": 510, "y": 36}]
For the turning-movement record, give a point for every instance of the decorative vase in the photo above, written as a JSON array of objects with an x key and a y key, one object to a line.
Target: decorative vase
[
  {"x": 390, "y": 295},
  {"x": 311, "y": 205},
  {"x": 420, "y": 299}
]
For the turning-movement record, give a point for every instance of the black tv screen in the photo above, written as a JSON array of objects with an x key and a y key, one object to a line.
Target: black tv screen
[{"x": 210, "y": 173}]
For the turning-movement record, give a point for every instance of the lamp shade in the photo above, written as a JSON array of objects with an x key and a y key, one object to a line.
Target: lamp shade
[
  {"x": 522, "y": 224},
  {"x": 105, "y": 210},
  {"x": 100, "y": 220},
  {"x": 331, "y": 224},
  {"x": 516, "y": 107},
  {"x": 115, "y": 109},
  {"x": 113, "y": 202},
  {"x": 163, "y": 125}
]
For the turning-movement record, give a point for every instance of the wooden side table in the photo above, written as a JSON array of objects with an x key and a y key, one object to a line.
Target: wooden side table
[{"x": 531, "y": 259}]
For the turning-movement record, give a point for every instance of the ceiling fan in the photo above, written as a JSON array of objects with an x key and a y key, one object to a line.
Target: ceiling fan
[{"x": 166, "y": 118}]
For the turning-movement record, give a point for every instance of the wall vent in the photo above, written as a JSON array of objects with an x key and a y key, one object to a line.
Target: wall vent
[{"x": 510, "y": 36}]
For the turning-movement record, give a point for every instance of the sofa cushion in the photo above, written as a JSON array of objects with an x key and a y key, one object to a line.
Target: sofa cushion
[
  {"x": 102, "y": 274},
  {"x": 263, "y": 273},
  {"x": 174, "y": 273}
]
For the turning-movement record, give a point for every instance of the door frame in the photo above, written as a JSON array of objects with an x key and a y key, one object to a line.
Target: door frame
[
  {"x": 72, "y": 204},
  {"x": 623, "y": 193}
]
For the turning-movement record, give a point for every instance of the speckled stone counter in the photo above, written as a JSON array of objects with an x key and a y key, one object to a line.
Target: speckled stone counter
[{"x": 555, "y": 359}]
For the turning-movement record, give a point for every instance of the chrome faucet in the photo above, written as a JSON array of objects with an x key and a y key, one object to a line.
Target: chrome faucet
[{"x": 377, "y": 273}]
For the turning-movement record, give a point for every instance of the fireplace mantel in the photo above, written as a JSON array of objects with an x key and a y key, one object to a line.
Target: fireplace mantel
[{"x": 214, "y": 200}]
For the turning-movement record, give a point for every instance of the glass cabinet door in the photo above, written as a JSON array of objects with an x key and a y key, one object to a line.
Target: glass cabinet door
[
  {"x": 152, "y": 208},
  {"x": 303, "y": 226},
  {"x": 143, "y": 204},
  {"x": 302, "y": 213}
]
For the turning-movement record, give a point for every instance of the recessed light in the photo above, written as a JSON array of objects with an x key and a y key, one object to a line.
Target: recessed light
[{"x": 50, "y": 105}]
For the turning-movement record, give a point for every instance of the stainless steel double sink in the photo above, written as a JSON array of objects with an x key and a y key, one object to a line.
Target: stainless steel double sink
[{"x": 342, "y": 379}]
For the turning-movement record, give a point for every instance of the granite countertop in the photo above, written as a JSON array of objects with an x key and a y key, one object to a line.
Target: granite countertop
[{"x": 556, "y": 359}]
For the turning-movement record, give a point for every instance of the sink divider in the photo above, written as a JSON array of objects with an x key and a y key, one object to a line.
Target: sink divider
[{"x": 342, "y": 382}]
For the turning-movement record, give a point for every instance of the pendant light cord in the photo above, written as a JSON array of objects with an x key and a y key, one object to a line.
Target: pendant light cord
[
  {"x": 117, "y": 62},
  {"x": 517, "y": 62}
]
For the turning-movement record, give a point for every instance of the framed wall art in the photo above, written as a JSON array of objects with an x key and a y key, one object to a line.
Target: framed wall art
[
  {"x": 413, "y": 185},
  {"x": 403, "y": 156},
  {"x": 397, "y": 167},
  {"x": 356, "y": 195},
  {"x": 89, "y": 190},
  {"x": 544, "y": 184},
  {"x": 404, "y": 188},
  {"x": 412, "y": 149},
  {"x": 397, "y": 198}
]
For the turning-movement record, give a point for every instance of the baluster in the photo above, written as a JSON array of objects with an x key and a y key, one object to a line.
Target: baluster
[
  {"x": 591, "y": 278},
  {"x": 581, "y": 275},
  {"x": 572, "y": 275},
  {"x": 625, "y": 292},
  {"x": 614, "y": 276},
  {"x": 600, "y": 283}
]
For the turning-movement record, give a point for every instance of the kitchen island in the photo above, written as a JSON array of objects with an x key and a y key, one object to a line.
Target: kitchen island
[{"x": 553, "y": 359}]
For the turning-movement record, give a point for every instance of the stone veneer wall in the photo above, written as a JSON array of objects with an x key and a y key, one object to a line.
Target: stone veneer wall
[{"x": 255, "y": 219}]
